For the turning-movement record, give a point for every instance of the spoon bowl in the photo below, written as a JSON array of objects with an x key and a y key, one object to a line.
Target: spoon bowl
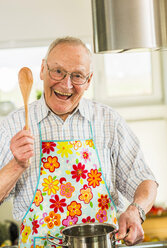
[{"x": 25, "y": 82}]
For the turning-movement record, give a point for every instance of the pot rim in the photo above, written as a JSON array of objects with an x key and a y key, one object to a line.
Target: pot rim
[{"x": 89, "y": 224}]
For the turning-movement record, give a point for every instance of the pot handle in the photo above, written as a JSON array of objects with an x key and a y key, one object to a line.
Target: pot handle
[
  {"x": 113, "y": 239},
  {"x": 50, "y": 237}
]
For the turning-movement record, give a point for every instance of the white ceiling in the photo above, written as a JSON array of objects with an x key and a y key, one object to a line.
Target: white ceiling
[{"x": 44, "y": 19}]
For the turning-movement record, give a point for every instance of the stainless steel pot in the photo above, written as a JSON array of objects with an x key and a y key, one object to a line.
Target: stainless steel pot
[{"x": 93, "y": 235}]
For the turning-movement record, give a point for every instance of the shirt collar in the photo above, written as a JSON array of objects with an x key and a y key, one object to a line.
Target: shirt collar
[
  {"x": 85, "y": 108},
  {"x": 42, "y": 109}
]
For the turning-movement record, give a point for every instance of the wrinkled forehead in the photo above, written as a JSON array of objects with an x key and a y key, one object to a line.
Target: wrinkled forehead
[{"x": 70, "y": 56}]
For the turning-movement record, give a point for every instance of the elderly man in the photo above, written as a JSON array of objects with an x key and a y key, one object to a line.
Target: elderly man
[{"x": 83, "y": 156}]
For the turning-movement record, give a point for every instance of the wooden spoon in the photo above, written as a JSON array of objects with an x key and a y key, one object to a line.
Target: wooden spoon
[{"x": 25, "y": 81}]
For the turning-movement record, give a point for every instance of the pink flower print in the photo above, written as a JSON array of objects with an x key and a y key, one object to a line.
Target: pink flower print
[
  {"x": 85, "y": 154},
  {"x": 88, "y": 220},
  {"x": 78, "y": 172},
  {"x": 67, "y": 190},
  {"x": 58, "y": 204},
  {"x": 101, "y": 216},
  {"x": 69, "y": 221},
  {"x": 47, "y": 147}
]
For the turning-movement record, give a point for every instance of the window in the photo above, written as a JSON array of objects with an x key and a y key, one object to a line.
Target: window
[
  {"x": 128, "y": 78},
  {"x": 119, "y": 79},
  {"x": 12, "y": 60}
]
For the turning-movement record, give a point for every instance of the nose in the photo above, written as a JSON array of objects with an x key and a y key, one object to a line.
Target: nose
[{"x": 67, "y": 81}]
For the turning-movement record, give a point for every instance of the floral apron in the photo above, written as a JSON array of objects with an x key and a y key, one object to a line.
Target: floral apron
[{"x": 71, "y": 190}]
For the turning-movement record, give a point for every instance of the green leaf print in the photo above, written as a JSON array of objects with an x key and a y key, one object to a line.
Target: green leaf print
[
  {"x": 54, "y": 178},
  {"x": 30, "y": 219},
  {"x": 99, "y": 169},
  {"x": 34, "y": 216},
  {"x": 109, "y": 205},
  {"x": 44, "y": 194},
  {"x": 77, "y": 161},
  {"x": 57, "y": 234},
  {"x": 91, "y": 204},
  {"x": 41, "y": 155},
  {"x": 41, "y": 207},
  {"x": 62, "y": 227},
  {"x": 45, "y": 243}
]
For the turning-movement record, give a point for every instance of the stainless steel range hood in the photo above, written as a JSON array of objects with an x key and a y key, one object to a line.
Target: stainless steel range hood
[{"x": 127, "y": 25}]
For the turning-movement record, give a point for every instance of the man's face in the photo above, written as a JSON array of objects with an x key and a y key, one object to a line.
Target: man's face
[{"x": 62, "y": 96}]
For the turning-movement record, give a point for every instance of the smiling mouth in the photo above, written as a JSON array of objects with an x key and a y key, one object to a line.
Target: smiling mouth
[{"x": 62, "y": 95}]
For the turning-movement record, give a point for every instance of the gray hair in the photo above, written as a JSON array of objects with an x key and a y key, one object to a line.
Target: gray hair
[{"x": 68, "y": 40}]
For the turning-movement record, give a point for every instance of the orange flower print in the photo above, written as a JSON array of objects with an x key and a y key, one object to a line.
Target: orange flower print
[
  {"x": 47, "y": 147},
  {"x": 86, "y": 194},
  {"x": 38, "y": 198},
  {"x": 76, "y": 144},
  {"x": 114, "y": 219},
  {"x": 103, "y": 202},
  {"x": 52, "y": 220},
  {"x": 94, "y": 178},
  {"x": 50, "y": 186},
  {"x": 101, "y": 216},
  {"x": 51, "y": 164},
  {"x": 74, "y": 209},
  {"x": 89, "y": 143},
  {"x": 67, "y": 190}
]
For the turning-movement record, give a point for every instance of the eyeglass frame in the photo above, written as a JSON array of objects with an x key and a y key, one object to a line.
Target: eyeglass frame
[{"x": 66, "y": 72}]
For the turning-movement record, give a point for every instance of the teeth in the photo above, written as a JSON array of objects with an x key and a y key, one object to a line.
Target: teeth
[{"x": 61, "y": 93}]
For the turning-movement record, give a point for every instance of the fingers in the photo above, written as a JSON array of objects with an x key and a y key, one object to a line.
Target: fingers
[
  {"x": 22, "y": 147},
  {"x": 135, "y": 235},
  {"x": 130, "y": 229},
  {"x": 122, "y": 228}
]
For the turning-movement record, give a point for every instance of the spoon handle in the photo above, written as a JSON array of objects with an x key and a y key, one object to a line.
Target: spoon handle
[{"x": 26, "y": 117}]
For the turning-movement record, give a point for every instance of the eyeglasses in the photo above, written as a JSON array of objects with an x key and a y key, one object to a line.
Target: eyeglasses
[{"x": 58, "y": 74}]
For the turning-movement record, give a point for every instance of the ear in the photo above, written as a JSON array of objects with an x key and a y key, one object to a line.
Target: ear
[
  {"x": 42, "y": 70},
  {"x": 89, "y": 80}
]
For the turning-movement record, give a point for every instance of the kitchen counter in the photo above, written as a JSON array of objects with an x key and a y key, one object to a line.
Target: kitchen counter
[
  {"x": 155, "y": 228},
  {"x": 148, "y": 245},
  {"x": 142, "y": 245}
]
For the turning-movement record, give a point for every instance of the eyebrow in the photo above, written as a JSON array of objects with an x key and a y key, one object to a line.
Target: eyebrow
[{"x": 76, "y": 71}]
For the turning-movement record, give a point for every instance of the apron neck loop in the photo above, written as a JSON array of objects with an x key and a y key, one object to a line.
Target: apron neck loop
[{"x": 40, "y": 134}]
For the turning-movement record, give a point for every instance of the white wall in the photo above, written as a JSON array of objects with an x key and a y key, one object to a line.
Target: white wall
[
  {"x": 153, "y": 139},
  {"x": 44, "y": 19}
]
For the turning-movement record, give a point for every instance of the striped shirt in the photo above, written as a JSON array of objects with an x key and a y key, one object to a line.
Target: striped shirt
[{"x": 118, "y": 148}]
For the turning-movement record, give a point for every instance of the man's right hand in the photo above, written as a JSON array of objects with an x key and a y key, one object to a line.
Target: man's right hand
[{"x": 22, "y": 147}]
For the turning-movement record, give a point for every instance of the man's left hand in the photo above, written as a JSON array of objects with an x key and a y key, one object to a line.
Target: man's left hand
[{"x": 130, "y": 222}]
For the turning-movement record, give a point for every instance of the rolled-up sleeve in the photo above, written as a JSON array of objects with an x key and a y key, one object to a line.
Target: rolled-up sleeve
[
  {"x": 131, "y": 168},
  {"x": 5, "y": 153}
]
